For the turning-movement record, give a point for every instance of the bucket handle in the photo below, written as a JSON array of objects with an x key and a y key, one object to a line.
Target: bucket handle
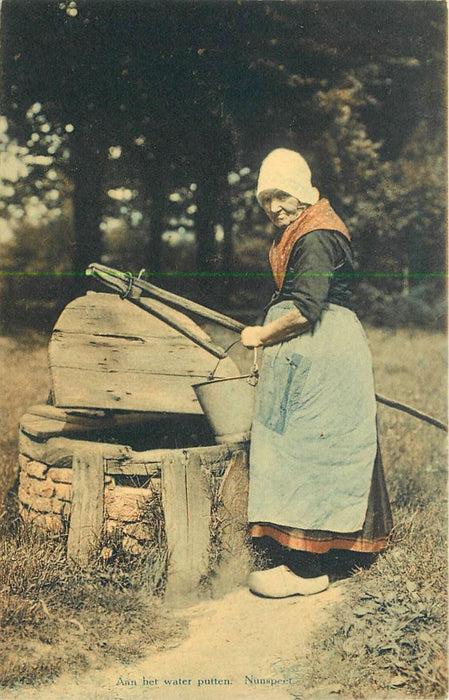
[{"x": 252, "y": 377}]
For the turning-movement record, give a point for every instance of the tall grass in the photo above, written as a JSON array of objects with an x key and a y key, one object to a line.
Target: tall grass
[{"x": 389, "y": 636}]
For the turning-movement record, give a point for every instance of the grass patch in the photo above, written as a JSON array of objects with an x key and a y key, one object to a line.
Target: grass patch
[
  {"x": 388, "y": 638},
  {"x": 54, "y": 615}
]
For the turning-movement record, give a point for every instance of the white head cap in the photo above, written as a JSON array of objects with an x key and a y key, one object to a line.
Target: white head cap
[{"x": 287, "y": 170}]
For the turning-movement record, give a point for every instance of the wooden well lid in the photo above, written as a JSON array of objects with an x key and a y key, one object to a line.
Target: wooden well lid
[{"x": 106, "y": 353}]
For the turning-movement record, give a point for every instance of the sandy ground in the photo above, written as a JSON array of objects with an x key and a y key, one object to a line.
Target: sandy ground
[{"x": 239, "y": 647}]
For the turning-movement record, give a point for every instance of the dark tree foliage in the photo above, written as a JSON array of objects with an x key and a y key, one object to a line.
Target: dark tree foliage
[{"x": 192, "y": 89}]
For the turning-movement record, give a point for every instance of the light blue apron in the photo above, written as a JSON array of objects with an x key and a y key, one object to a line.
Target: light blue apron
[{"x": 313, "y": 440}]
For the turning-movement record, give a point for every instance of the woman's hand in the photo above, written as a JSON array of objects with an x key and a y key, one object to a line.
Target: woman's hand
[{"x": 251, "y": 336}]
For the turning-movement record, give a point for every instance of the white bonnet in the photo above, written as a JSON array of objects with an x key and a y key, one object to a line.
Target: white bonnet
[{"x": 287, "y": 170}]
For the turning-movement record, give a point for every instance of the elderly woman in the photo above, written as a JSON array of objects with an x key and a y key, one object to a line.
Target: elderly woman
[{"x": 316, "y": 477}]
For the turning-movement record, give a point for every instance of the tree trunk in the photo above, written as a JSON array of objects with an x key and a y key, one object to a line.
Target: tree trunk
[
  {"x": 88, "y": 163},
  {"x": 227, "y": 256},
  {"x": 205, "y": 220},
  {"x": 154, "y": 188}
]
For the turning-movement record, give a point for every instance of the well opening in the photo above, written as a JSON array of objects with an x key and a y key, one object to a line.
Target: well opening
[{"x": 164, "y": 432}]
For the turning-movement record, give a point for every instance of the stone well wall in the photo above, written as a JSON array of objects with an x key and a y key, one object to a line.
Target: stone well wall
[{"x": 45, "y": 498}]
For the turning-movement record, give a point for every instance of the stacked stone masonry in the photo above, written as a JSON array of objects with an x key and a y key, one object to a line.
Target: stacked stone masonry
[{"x": 45, "y": 495}]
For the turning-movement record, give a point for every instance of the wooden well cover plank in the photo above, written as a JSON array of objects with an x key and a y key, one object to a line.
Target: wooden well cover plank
[{"x": 107, "y": 353}]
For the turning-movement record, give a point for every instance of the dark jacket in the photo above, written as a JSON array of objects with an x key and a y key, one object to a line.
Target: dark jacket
[{"x": 320, "y": 271}]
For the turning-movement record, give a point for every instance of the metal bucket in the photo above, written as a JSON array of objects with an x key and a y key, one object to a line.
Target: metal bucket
[{"x": 228, "y": 404}]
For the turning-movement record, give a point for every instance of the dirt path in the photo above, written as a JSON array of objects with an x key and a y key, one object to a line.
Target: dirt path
[{"x": 239, "y": 647}]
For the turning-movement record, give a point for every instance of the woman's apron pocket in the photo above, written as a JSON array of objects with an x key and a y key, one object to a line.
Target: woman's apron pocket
[{"x": 280, "y": 374}]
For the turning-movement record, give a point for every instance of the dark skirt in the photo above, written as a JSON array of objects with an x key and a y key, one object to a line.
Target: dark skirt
[{"x": 372, "y": 538}]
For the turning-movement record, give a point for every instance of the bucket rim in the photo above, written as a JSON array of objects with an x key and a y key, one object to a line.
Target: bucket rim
[{"x": 217, "y": 380}]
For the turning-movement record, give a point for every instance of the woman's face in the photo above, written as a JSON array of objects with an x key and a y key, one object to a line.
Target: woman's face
[{"x": 280, "y": 207}]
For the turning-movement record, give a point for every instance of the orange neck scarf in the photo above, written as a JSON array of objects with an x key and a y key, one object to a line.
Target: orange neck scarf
[{"x": 318, "y": 216}]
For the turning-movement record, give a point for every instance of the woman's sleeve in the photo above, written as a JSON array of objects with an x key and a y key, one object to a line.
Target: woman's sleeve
[{"x": 314, "y": 259}]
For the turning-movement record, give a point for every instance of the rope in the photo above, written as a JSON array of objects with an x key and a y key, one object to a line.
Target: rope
[
  {"x": 412, "y": 411},
  {"x": 130, "y": 281}
]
